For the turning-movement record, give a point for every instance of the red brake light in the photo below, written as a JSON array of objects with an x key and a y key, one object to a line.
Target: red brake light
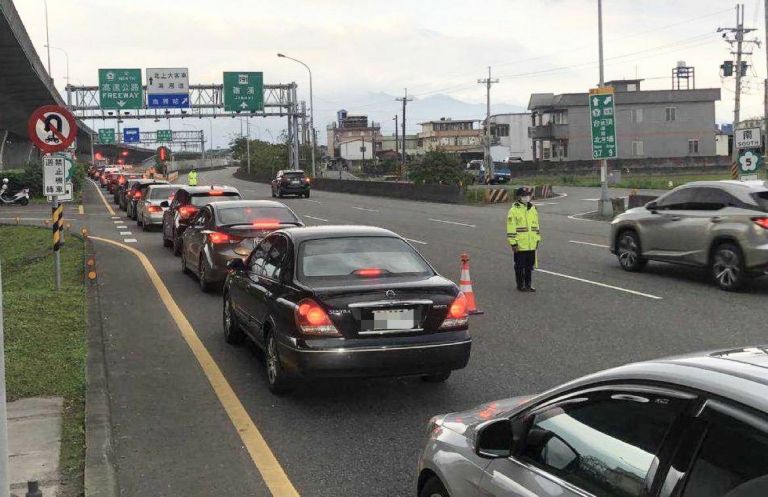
[
  {"x": 457, "y": 316},
  {"x": 121, "y": 180},
  {"x": 137, "y": 194},
  {"x": 187, "y": 211},
  {"x": 266, "y": 224},
  {"x": 216, "y": 192},
  {"x": 369, "y": 272},
  {"x": 218, "y": 237},
  {"x": 313, "y": 320},
  {"x": 154, "y": 208},
  {"x": 761, "y": 221}
]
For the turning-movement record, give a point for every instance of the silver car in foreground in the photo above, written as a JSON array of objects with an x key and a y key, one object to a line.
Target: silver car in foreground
[
  {"x": 688, "y": 426},
  {"x": 719, "y": 225}
]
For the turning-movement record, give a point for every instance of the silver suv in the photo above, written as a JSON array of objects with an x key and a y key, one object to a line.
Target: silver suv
[{"x": 718, "y": 225}]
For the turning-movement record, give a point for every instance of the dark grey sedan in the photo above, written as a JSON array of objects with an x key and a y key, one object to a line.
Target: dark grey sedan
[{"x": 689, "y": 426}]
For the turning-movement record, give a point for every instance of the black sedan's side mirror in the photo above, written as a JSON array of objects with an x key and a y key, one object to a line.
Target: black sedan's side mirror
[
  {"x": 652, "y": 206},
  {"x": 494, "y": 439},
  {"x": 235, "y": 265},
  {"x": 164, "y": 203}
]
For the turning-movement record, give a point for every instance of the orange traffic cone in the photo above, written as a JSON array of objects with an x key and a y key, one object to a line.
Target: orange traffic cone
[{"x": 465, "y": 285}]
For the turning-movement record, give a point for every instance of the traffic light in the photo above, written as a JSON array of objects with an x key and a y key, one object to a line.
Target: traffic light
[
  {"x": 727, "y": 68},
  {"x": 124, "y": 153},
  {"x": 163, "y": 154}
]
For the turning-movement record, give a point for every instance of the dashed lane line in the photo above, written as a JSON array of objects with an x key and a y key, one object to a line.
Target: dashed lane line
[
  {"x": 364, "y": 209},
  {"x": 122, "y": 227},
  {"x": 262, "y": 456},
  {"x": 125, "y": 233},
  {"x": 603, "y": 285},
  {"x": 316, "y": 218},
  {"x": 130, "y": 240},
  {"x": 80, "y": 209},
  {"x": 453, "y": 222},
  {"x": 578, "y": 242},
  {"x": 313, "y": 201}
]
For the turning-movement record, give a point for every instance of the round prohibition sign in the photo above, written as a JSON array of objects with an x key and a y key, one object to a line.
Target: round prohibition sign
[{"x": 52, "y": 128}]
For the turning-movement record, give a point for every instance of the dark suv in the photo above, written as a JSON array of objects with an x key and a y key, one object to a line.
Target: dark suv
[
  {"x": 186, "y": 202},
  {"x": 291, "y": 182}
]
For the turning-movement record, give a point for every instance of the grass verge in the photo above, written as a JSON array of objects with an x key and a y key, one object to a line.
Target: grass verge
[
  {"x": 646, "y": 182},
  {"x": 45, "y": 341}
]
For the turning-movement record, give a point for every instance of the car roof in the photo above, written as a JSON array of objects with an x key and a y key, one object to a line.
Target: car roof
[
  {"x": 202, "y": 189},
  {"x": 146, "y": 181},
  {"x": 247, "y": 203},
  {"x": 739, "y": 374},
  {"x": 341, "y": 231},
  {"x": 751, "y": 186}
]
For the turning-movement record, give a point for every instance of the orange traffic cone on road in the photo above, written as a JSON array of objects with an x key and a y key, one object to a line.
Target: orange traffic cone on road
[{"x": 465, "y": 285}]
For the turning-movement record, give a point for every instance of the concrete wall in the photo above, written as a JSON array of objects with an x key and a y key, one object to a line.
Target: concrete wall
[
  {"x": 644, "y": 166},
  {"x": 16, "y": 154},
  {"x": 661, "y": 138}
]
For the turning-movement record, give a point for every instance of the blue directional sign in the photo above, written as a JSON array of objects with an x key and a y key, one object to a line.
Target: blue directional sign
[
  {"x": 131, "y": 135},
  {"x": 168, "y": 101}
]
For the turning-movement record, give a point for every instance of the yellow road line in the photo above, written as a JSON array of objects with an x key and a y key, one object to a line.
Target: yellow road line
[
  {"x": 106, "y": 204},
  {"x": 271, "y": 472},
  {"x": 80, "y": 209}
]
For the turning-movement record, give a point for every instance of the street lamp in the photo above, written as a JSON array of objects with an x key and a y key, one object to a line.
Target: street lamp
[
  {"x": 66, "y": 55},
  {"x": 311, "y": 108},
  {"x": 47, "y": 41}
]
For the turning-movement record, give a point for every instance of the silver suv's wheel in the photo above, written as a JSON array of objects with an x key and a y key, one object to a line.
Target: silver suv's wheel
[
  {"x": 628, "y": 252},
  {"x": 727, "y": 267}
]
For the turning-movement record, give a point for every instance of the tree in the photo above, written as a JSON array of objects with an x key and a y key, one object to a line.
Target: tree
[{"x": 438, "y": 167}]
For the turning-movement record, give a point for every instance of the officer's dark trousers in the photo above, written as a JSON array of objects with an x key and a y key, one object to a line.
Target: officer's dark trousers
[{"x": 524, "y": 262}]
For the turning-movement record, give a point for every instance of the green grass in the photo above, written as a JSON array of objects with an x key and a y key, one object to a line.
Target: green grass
[{"x": 45, "y": 343}]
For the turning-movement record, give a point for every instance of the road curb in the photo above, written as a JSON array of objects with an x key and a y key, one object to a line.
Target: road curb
[{"x": 100, "y": 478}]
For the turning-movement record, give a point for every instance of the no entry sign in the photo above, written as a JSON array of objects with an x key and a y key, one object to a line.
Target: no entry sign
[{"x": 52, "y": 128}]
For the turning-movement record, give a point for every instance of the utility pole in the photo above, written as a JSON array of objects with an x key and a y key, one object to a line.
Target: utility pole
[
  {"x": 248, "y": 143},
  {"x": 605, "y": 205},
  {"x": 487, "y": 149},
  {"x": 405, "y": 99},
  {"x": 737, "y": 40},
  {"x": 397, "y": 138},
  {"x": 5, "y": 484},
  {"x": 765, "y": 93}
]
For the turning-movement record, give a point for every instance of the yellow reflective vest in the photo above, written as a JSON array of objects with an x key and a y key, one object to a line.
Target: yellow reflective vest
[
  {"x": 523, "y": 226},
  {"x": 192, "y": 178}
]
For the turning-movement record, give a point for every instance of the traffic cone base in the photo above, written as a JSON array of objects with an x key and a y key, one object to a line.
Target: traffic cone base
[{"x": 465, "y": 285}]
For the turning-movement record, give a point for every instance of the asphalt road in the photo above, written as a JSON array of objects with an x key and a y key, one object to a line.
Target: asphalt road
[{"x": 362, "y": 437}]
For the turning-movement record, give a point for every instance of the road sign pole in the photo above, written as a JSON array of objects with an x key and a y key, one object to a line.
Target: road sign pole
[
  {"x": 5, "y": 486},
  {"x": 56, "y": 210},
  {"x": 606, "y": 209}
]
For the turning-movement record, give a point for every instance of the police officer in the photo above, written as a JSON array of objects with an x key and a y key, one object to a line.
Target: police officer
[
  {"x": 192, "y": 178},
  {"x": 524, "y": 237}
]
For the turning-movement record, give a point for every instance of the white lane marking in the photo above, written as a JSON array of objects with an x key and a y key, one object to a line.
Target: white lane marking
[
  {"x": 416, "y": 241},
  {"x": 544, "y": 203},
  {"x": 453, "y": 222},
  {"x": 313, "y": 201},
  {"x": 125, "y": 233},
  {"x": 364, "y": 209},
  {"x": 604, "y": 285},
  {"x": 576, "y": 217},
  {"x": 589, "y": 199},
  {"x": 316, "y": 218},
  {"x": 117, "y": 222},
  {"x": 115, "y": 217},
  {"x": 588, "y": 243},
  {"x": 122, "y": 227},
  {"x": 130, "y": 240}
]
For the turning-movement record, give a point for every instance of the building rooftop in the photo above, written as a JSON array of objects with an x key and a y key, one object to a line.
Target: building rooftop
[{"x": 542, "y": 101}]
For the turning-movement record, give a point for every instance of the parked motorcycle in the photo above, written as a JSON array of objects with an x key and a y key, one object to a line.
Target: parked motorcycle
[{"x": 21, "y": 198}]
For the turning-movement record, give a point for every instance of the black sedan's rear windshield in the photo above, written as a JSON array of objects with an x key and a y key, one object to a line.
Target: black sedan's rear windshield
[
  {"x": 292, "y": 175},
  {"x": 255, "y": 215},
  {"x": 201, "y": 199},
  {"x": 762, "y": 200},
  {"x": 358, "y": 258}
]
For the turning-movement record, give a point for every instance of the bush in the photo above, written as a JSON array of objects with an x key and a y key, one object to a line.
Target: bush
[
  {"x": 32, "y": 177},
  {"x": 438, "y": 167}
]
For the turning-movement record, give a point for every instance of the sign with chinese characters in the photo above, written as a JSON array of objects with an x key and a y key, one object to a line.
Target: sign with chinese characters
[
  {"x": 164, "y": 135},
  {"x": 106, "y": 136},
  {"x": 56, "y": 175},
  {"x": 602, "y": 114},
  {"x": 120, "y": 89},
  {"x": 168, "y": 87},
  {"x": 750, "y": 163},
  {"x": 243, "y": 91},
  {"x": 747, "y": 138},
  {"x": 131, "y": 135}
]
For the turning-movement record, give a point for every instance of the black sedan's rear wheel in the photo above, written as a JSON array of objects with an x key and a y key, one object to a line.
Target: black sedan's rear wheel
[
  {"x": 436, "y": 377},
  {"x": 628, "y": 252},
  {"x": 232, "y": 333},
  {"x": 184, "y": 267},
  {"x": 202, "y": 275},
  {"x": 433, "y": 488},
  {"x": 279, "y": 382}
]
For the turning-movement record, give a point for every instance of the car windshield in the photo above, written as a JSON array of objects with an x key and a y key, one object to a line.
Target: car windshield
[
  {"x": 254, "y": 215},
  {"x": 353, "y": 258},
  {"x": 158, "y": 193},
  {"x": 201, "y": 199},
  {"x": 762, "y": 199}
]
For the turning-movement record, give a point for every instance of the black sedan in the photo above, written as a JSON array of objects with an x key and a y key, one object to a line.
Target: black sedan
[
  {"x": 223, "y": 231},
  {"x": 292, "y": 182},
  {"x": 345, "y": 301}
]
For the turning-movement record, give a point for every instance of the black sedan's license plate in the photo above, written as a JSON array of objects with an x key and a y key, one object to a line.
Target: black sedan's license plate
[{"x": 393, "y": 319}]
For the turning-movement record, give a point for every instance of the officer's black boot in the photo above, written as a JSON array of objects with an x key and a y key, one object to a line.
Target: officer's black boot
[
  {"x": 528, "y": 278},
  {"x": 520, "y": 279}
]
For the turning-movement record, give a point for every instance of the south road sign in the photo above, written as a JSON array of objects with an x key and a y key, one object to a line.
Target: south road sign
[
  {"x": 747, "y": 138},
  {"x": 168, "y": 87},
  {"x": 243, "y": 91},
  {"x": 750, "y": 162},
  {"x": 120, "y": 89},
  {"x": 131, "y": 135},
  {"x": 164, "y": 135},
  {"x": 52, "y": 128},
  {"x": 106, "y": 136},
  {"x": 602, "y": 114}
]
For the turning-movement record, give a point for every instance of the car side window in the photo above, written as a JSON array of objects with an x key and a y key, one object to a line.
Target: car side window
[
  {"x": 275, "y": 257},
  {"x": 676, "y": 200},
  {"x": 732, "y": 460},
  {"x": 259, "y": 257},
  {"x": 606, "y": 442},
  {"x": 712, "y": 199}
]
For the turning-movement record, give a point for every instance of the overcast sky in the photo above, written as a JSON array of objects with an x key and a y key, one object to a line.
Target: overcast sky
[{"x": 359, "y": 48}]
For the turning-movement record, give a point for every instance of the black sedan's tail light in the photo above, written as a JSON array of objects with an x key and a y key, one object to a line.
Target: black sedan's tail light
[
  {"x": 457, "y": 316},
  {"x": 312, "y": 319}
]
